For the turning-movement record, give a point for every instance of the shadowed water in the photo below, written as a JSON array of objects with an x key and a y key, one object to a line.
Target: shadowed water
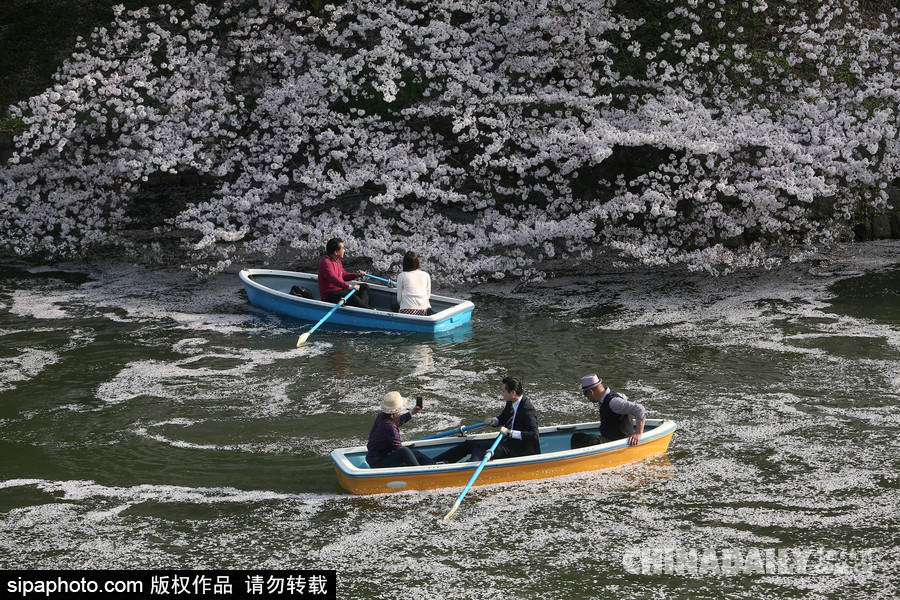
[{"x": 150, "y": 420}]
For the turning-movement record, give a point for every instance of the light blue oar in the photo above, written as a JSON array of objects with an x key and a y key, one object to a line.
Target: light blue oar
[
  {"x": 475, "y": 475},
  {"x": 306, "y": 335},
  {"x": 387, "y": 281},
  {"x": 460, "y": 430}
]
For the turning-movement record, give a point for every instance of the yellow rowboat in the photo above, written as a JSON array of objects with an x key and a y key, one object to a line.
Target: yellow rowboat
[{"x": 556, "y": 458}]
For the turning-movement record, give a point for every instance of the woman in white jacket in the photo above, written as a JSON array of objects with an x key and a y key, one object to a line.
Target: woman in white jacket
[{"x": 414, "y": 287}]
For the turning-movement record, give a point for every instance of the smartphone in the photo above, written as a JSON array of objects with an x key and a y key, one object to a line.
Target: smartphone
[{"x": 419, "y": 401}]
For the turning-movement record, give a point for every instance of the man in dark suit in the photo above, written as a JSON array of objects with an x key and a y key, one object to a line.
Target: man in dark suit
[{"x": 518, "y": 422}]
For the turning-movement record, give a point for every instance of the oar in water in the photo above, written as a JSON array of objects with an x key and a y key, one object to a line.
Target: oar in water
[
  {"x": 460, "y": 430},
  {"x": 306, "y": 335},
  {"x": 475, "y": 475},
  {"x": 387, "y": 281}
]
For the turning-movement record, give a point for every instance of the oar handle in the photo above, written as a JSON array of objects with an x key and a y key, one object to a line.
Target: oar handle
[
  {"x": 459, "y": 430},
  {"x": 475, "y": 475}
]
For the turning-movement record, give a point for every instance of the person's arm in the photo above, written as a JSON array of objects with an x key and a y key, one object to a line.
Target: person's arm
[
  {"x": 502, "y": 418},
  {"x": 401, "y": 287},
  {"x": 395, "y": 441},
  {"x": 348, "y": 276},
  {"x": 635, "y": 437},
  {"x": 622, "y": 405},
  {"x": 329, "y": 278},
  {"x": 527, "y": 423}
]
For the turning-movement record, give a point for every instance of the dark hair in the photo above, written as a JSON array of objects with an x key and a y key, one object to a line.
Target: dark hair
[
  {"x": 333, "y": 245},
  {"x": 410, "y": 261},
  {"x": 513, "y": 385}
]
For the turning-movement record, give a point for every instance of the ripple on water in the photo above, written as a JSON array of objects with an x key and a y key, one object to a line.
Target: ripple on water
[
  {"x": 25, "y": 365},
  {"x": 206, "y": 443}
]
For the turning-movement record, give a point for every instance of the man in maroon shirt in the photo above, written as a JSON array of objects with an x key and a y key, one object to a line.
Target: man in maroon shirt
[{"x": 333, "y": 278}]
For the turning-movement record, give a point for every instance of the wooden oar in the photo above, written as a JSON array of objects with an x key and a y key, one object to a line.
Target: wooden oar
[
  {"x": 475, "y": 475},
  {"x": 306, "y": 335},
  {"x": 458, "y": 430}
]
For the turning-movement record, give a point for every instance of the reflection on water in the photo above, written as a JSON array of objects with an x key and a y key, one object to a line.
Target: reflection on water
[
  {"x": 339, "y": 361},
  {"x": 151, "y": 420},
  {"x": 453, "y": 336},
  {"x": 634, "y": 476},
  {"x": 420, "y": 358}
]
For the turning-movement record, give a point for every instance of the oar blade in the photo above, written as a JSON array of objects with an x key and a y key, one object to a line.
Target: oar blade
[
  {"x": 306, "y": 335},
  {"x": 452, "y": 512}
]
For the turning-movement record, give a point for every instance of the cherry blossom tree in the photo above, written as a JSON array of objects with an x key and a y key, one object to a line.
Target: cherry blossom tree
[{"x": 489, "y": 136}]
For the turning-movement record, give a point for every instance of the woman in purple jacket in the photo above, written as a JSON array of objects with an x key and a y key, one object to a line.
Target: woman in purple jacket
[{"x": 385, "y": 447}]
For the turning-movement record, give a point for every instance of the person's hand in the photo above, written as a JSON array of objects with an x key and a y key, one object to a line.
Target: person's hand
[
  {"x": 505, "y": 431},
  {"x": 489, "y": 421},
  {"x": 362, "y": 273},
  {"x": 355, "y": 287},
  {"x": 416, "y": 410},
  {"x": 635, "y": 437}
]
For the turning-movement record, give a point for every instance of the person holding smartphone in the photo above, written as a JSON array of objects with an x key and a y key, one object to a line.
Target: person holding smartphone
[{"x": 385, "y": 448}]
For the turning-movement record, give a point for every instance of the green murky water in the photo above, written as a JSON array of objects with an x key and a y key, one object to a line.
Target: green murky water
[{"x": 150, "y": 420}]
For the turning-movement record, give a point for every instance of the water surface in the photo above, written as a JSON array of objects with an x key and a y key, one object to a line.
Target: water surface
[{"x": 151, "y": 420}]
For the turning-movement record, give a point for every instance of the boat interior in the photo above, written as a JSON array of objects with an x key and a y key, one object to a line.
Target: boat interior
[
  {"x": 557, "y": 439},
  {"x": 380, "y": 297}
]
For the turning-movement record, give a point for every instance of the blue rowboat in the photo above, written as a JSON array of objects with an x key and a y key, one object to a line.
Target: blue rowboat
[
  {"x": 556, "y": 458},
  {"x": 270, "y": 290}
]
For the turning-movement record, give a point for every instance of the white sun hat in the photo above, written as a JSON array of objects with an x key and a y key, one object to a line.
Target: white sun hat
[{"x": 392, "y": 403}]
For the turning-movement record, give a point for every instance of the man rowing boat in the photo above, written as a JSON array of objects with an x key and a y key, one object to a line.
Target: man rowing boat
[
  {"x": 333, "y": 278},
  {"x": 518, "y": 422}
]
